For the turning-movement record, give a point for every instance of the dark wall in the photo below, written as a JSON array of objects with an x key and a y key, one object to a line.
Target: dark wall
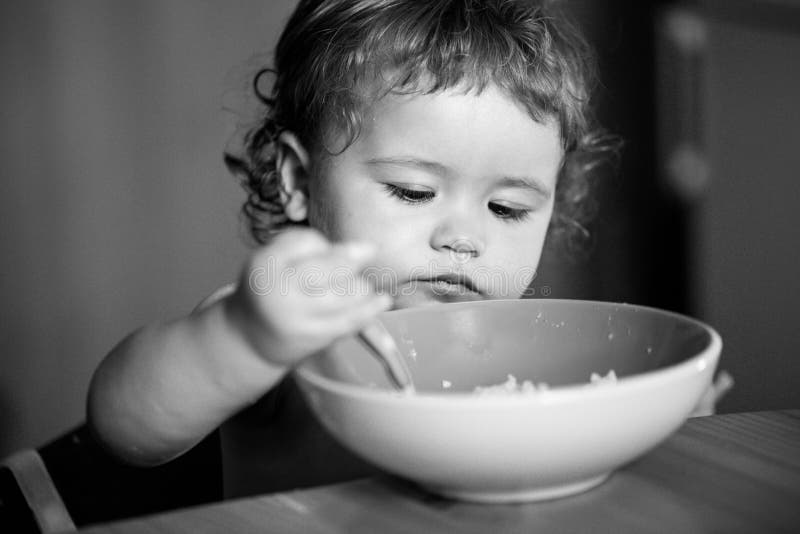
[{"x": 638, "y": 249}]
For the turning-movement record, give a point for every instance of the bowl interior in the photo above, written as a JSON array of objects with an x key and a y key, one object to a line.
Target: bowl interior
[{"x": 453, "y": 348}]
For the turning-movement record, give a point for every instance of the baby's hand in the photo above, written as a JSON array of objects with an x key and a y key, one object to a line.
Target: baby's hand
[
  {"x": 300, "y": 293},
  {"x": 721, "y": 385}
]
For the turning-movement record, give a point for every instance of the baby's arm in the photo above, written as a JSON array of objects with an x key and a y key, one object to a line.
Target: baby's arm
[{"x": 166, "y": 386}]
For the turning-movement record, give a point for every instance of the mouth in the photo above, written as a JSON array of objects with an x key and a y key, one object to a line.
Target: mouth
[
  {"x": 443, "y": 288},
  {"x": 452, "y": 284}
]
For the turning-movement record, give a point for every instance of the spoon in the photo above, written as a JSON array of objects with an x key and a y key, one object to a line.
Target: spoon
[{"x": 381, "y": 343}]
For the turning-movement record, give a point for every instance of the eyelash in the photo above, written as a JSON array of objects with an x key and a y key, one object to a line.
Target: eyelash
[
  {"x": 409, "y": 196},
  {"x": 509, "y": 214},
  {"x": 417, "y": 196}
]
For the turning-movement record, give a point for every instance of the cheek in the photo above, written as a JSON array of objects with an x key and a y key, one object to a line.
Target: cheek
[
  {"x": 328, "y": 210},
  {"x": 518, "y": 256},
  {"x": 342, "y": 214},
  {"x": 519, "y": 272},
  {"x": 334, "y": 221}
]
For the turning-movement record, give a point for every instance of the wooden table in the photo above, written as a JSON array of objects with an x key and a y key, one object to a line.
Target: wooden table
[{"x": 728, "y": 473}]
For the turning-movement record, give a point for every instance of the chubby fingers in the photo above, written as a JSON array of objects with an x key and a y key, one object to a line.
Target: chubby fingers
[
  {"x": 315, "y": 279},
  {"x": 721, "y": 385},
  {"x": 343, "y": 299},
  {"x": 335, "y": 278}
]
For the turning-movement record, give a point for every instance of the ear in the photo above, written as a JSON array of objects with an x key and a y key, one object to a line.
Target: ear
[{"x": 293, "y": 165}]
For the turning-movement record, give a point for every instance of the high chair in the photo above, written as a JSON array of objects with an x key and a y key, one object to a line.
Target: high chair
[{"x": 72, "y": 482}]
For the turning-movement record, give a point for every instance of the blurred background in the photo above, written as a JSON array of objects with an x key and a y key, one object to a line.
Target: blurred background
[{"x": 117, "y": 210}]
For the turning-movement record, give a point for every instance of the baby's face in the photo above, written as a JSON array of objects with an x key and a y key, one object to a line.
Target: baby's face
[{"x": 455, "y": 190}]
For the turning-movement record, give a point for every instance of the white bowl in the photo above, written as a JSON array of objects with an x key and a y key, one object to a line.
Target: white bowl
[{"x": 520, "y": 446}]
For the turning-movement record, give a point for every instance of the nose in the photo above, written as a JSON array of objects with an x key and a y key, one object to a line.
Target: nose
[{"x": 462, "y": 236}]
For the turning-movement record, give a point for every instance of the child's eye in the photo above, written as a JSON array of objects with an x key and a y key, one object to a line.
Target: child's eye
[
  {"x": 508, "y": 213},
  {"x": 411, "y": 196}
]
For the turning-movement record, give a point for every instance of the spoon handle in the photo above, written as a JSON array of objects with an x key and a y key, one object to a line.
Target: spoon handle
[{"x": 381, "y": 343}]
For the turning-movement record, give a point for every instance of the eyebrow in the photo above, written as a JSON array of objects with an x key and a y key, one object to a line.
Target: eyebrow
[
  {"x": 439, "y": 169},
  {"x": 526, "y": 183},
  {"x": 402, "y": 161}
]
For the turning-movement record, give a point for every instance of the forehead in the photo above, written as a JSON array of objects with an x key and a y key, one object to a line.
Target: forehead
[{"x": 468, "y": 130}]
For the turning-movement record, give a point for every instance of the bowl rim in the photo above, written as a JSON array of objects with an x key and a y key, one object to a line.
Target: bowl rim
[{"x": 696, "y": 364}]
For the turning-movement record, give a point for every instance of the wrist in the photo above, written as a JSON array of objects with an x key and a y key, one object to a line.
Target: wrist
[
  {"x": 240, "y": 321},
  {"x": 229, "y": 342}
]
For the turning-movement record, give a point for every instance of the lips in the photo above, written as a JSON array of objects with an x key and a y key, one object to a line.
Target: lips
[
  {"x": 437, "y": 289},
  {"x": 451, "y": 283}
]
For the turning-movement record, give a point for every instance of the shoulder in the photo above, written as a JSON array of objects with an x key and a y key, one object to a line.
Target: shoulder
[{"x": 217, "y": 295}]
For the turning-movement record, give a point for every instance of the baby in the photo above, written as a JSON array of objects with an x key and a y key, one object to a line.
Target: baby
[{"x": 439, "y": 142}]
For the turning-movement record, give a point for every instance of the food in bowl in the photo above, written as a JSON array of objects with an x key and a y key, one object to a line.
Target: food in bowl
[
  {"x": 512, "y": 387},
  {"x": 609, "y": 378},
  {"x": 516, "y": 447}
]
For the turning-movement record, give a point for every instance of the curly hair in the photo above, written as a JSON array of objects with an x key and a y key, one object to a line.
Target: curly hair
[{"x": 336, "y": 56}]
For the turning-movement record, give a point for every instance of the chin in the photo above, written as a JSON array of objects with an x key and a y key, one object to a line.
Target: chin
[{"x": 423, "y": 298}]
